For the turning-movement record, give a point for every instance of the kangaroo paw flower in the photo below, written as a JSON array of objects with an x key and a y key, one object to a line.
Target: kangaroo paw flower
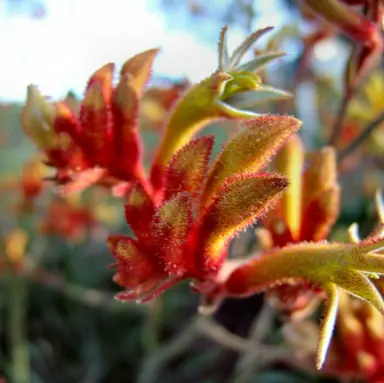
[
  {"x": 327, "y": 265},
  {"x": 231, "y": 93}
]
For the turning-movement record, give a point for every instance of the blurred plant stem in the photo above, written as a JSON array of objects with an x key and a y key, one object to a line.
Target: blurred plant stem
[
  {"x": 249, "y": 361},
  {"x": 361, "y": 138},
  {"x": 87, "y": 296},
  {"x": 340, "y": 118},
  {"x": 150, "y": 334},
  {"x": 18, "y": 290},
  {"x": 153, "y": 364},
  {"x": 206, "y": 326}
]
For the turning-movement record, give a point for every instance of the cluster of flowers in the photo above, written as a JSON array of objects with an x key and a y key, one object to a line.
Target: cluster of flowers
[{"x": 186, "y": 211}]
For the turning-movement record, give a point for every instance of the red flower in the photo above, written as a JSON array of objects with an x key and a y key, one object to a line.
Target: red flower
[
  {"x": 67, "y": 220},
  {"x": 187, "y": 233},
  {"x": 102, "y": 143}
]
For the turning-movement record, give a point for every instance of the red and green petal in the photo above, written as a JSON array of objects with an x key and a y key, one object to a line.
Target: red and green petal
[
  {"x": 188, "y": 168},
  {"x": 139, "y": 69},
  {"x": 96, "y": 117},
  {"x": 170, "y": 230},
  {"x": 127, "y": 146},
  {"x": 250, "y": 150},
  {"x": 139, "y": 211},
  {"x": 66, "y": 122},
  {"x": 238, "y": 204},
  {"x": 134, "y": 267}
]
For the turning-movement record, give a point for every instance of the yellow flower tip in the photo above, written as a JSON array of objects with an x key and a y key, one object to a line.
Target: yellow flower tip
[
  {"x": 289, "y": 161},
  {"x": 94, "y": 98},
  {"x": 104, "y": 78},
  {"x": 104, "y": 74},
  {"x": 125, "y": 97},
  {"x": 15, "y": 245},
  {"x": 139, "y": 68},
  {"x": 37, "y": 118}
]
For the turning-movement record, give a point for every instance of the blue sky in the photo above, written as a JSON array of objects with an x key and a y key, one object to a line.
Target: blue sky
[{"x": 60, "y": 51}]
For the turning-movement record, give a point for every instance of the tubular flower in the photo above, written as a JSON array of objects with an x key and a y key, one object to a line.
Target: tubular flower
[
  {"x": 230, "y": 93},
  {"x": 101, "y": 143},
  {"x": 333, "y": 267},
  {"x": 306, "y": 212},
  {"x": 357, "y": 349},
  {"x": 187, "y": 233}
]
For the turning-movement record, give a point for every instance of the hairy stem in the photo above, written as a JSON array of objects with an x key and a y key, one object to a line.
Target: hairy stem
[{"x": 87, "y": 296}]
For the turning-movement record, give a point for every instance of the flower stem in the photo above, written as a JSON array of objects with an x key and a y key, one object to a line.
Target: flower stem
[
  {"x": 16, "y": 325},
  {"x": 151, "y": 327},
  {"x": 339, "y": 121},
  {"x": 361, "y": 138}
]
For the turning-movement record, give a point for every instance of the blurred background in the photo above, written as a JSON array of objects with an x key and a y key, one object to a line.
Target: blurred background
[{"x": 63, "y": 325}]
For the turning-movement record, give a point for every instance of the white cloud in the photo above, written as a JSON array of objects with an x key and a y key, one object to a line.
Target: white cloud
[{"x": 60, "y": 52}]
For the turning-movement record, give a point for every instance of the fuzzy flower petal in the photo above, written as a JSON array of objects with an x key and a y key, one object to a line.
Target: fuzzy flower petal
[
  {"x": 188, "y": 167},
  {"x": 210, "y": 100},
  {"x": 239, "y": 203},
  {"x": 249, "y": 151}
]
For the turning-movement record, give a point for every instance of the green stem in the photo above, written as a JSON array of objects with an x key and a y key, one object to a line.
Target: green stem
[
  {"x": 151, "y": 327},
  {"x": 17, "y": 325}
]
